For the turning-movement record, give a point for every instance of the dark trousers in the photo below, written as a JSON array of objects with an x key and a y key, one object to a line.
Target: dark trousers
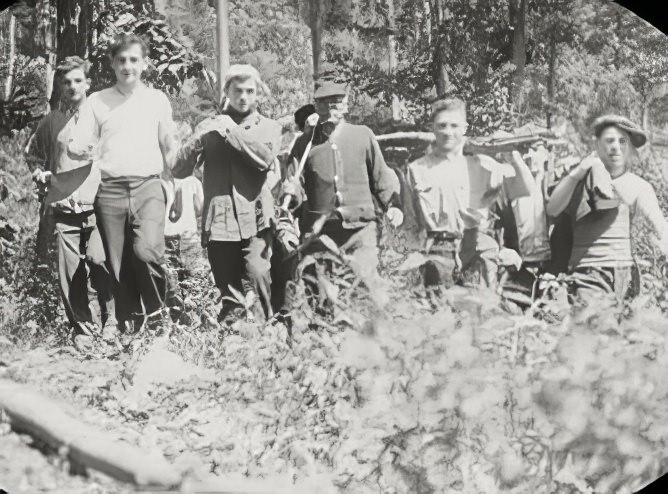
[
  {"x": 453, "y": 261},
  {"x": 45, "y": 233},
  {"x": 84, "y": 281},
  {"x": 596, "y": 284},
  {"x": 245, "y": 266},
  {"x": 131, "y": 215}
]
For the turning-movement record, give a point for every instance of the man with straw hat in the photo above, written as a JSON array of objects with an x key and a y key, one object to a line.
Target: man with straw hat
[
  {"x": 239, "y": 149},
  {"x": 603, "y": 197}
]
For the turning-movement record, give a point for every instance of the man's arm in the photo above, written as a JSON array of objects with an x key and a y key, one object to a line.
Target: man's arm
[
  {"x": 382, "y": 179},
  {"x": 186, "y": 158},
  {"x": 36, "y": 150},
  {"x": 563, "y": 192},
  {"x": 425, "y": 222},
  {"x": 166, "y": 130},
  {"x": 522, "y": 183},
  {"x": 648, "y": 205}
]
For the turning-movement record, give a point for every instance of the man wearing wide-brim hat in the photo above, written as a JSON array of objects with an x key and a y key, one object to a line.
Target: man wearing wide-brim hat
[
  {"x": 343, "y": 174},
  {"x": 603, "y": 197}
]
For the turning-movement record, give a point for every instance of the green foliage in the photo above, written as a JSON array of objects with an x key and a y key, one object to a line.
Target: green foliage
[
  {"x": 171, "y": 63},
  {"x": 26, "y": 103}
]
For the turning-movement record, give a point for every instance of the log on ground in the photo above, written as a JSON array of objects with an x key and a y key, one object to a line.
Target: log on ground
[{"x": 47, "y": 420}]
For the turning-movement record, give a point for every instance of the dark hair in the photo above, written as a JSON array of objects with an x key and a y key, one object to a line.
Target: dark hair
[
  {"x": 71, "y": 63},
  {"x": 302, "y": 114},
  {"x": 450, "y": 104},
  {"x": 125, "y": 40}
]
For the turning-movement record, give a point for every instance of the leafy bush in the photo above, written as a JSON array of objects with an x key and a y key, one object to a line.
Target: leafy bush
[
  {"x": 170, "y": 62},
  {"x": 26, "y": 103}
]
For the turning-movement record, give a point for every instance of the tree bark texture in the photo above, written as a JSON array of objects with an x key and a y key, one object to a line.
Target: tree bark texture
[
  {"x": 74, "y": 28},
  {"x": 223, "y": 40},
  {"x": 518, "y": 14},
  {"x": 392, "y": 52},
  {"x": 11, "y": 57}
]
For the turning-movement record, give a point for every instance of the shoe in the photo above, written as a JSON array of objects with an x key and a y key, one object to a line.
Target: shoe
[
  {"x": 83, "y": 342},
  {"x": 110, "y": 331}
]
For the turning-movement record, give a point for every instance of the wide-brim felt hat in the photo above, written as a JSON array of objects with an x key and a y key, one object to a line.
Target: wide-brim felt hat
[{"x": 637, "y": 135}]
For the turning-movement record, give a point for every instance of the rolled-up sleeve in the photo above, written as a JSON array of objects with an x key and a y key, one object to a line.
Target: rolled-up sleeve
[{"x": 383, "y": 180}]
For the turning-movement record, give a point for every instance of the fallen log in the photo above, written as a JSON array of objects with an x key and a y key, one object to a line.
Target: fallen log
[{"x": 47, "y": 420}]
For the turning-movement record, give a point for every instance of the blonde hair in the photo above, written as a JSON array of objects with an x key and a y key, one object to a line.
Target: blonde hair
[
  {"x": 449, "y": 104},
  {"x": 243, "y": 72}
]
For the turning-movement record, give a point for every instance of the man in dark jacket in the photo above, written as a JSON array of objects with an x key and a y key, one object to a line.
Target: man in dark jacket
[
  {"x": 239, "y": 149},
  {"x": 344, "y": 172}
]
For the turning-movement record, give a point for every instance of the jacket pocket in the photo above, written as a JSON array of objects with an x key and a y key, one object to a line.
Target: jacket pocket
[{"x": 220, "y": 222}]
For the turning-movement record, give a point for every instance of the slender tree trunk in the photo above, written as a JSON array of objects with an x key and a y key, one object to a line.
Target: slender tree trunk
[
  {"x": 317, "y": 15},
  {"x": 11, "y": 58},
  {"x": 551, "y": 80},
  {"x": 392, "y": 62},
  {"x": 518, "y": 20},
  {"x": 223, "y": 39},
  {"x": 427, "y": 20},
  {"x": 75, "y": 23},
  {"x": 439, "y": 61}
]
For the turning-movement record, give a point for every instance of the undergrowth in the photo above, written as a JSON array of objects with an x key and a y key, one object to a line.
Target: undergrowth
[{"x": 422, "y": 394}]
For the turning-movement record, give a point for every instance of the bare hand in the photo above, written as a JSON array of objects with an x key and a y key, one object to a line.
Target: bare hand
[
  {"x": 312, "y": 120},
  {"x": 396, "y": 217},
  {"x": 585, "y": 165}
]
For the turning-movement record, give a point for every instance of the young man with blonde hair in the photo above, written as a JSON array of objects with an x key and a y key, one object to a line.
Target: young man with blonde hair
[
  {"x": 453, "y": 196},
  {"x": 239, "y": 149},
  {"x": 127, "y": 128}
]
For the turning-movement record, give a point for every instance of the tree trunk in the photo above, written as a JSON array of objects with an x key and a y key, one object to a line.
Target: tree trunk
[
  {"x": 518, "y": 14},
  {"x": 427, "y": 20},
  {"x": 439, "y": 61},
  {"x": 392, "y": 62},
  {"x": 551, "y": 80},
  {"x": 9, "y": 82},
  {"x": 223, "y": 39},
  {"x": 317, "y": 15},
  {"x": 75, "y": 22}
]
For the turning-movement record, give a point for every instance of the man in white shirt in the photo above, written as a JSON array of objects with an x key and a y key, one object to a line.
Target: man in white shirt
[
  {"x": 453, "y": 196},
  {"x": 127, "y": 129}
]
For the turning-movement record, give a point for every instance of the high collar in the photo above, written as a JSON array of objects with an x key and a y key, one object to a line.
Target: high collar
[
  {"x": 238, "y": 116},
  {"x": 69, "y": 110}
]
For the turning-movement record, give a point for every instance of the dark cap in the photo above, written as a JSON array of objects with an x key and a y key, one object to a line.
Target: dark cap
[
  {"x": 328, "y": 89},
  {"x": 637, "y": 135}
]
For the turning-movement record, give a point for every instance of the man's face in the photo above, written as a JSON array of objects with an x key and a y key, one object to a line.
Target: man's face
[
  {"x": 332, "y": 108},
  {"x": 614, "y": 147},
  {"x": 242, "y": 94},
  {"x": 73, "y": 86},
  {"x": 449, "y": 127},
  {"x": 129, "y": 64}
]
